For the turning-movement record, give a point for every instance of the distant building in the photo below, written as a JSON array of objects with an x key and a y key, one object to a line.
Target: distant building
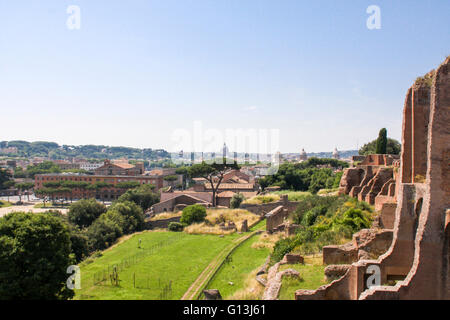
[
  {"x": 224, "y": 150},
  {"x": 108, "y": 193},
  {"x": 88, "y": 166},
  {"x": 66, "y": 165},
  {"x": 303, "y": 156},
  {"x": 9, "y": 150},
  {"x": 119, "y": 168},
  {"x": 336, "y": 154}
]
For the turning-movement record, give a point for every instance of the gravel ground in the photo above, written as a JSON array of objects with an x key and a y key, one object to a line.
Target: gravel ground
[{"x": 25, "y": 208}]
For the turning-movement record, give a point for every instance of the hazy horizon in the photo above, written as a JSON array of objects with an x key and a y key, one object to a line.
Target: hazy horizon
[{"x": 136, "y": 72}]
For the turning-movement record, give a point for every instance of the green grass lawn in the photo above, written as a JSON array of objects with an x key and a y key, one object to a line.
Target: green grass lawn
[
  {"x": 242, "y": 261},
  {"x": 311, "y": 277},
  {"x": 181, "y": 262},
  {"x": 4, "y": 204},
  {"x": 293, "y": 195}
]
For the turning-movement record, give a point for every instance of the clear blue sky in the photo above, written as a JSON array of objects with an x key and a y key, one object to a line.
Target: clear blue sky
[{"x": 138, "y": 70}]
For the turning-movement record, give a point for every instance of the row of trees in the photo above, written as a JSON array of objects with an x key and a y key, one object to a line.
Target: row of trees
[
  {"x": 6, "y": 182},
  {"x": 311, "y": 175},
  {"x": 60, "y": 190},
  {"x": 381, "y": 145}
]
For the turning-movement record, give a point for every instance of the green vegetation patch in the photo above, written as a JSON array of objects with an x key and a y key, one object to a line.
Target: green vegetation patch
[
  {"x": 232, "y": 275},
  {"x": 311, "y": 278},
  {"x": 324, "y": 220},
  {"x": 180, "y": 262}
]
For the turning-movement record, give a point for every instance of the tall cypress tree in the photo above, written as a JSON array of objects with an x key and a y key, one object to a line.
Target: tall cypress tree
[{"x": 382, "y": 141}]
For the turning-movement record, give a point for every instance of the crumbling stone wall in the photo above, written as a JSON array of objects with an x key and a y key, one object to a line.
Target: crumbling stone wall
[
  {"x": 366, "y": 243},
  {"x": 418, "y": 257},
  {"x": 275, "y": 218}
]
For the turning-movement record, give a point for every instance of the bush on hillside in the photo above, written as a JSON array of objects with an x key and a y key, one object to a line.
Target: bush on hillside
[
  {"x": 175, "y": 226},
  {"x": 144, "y": 196},
  {"x": 236, "y": 200},
  {"x": 127, "y": 215},
  {"x": 83, "y": 212},
  {"x": 193, "y": 213},
  {"x": 103, "y": 233},
  {"x": 324, "y": 221}
]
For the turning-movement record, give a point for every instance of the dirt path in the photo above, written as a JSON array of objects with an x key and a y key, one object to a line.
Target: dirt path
[
  {"x": 194, "y": 290},
  {"x": 27, "y": 208}
]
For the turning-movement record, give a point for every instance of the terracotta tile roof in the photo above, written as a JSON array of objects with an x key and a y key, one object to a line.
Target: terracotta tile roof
[
  {"x": 206, "y": 196},
  {"x": 226, "y": 194},
  {"x": 248, "y": 186},
  {"x": 123, "y": 165}
]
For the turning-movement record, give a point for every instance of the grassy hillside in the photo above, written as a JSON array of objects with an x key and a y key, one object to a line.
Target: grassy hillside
[
  {"x": 241, "y": 263},
  {"x": 311, "y": 277},
  {"x": 181, "y": 261}
]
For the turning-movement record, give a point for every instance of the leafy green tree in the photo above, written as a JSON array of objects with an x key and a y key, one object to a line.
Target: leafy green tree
[
  {"x": 84, "y": 212},
  {"x": 41, "y": 168},
  {"x": 25, "y": 186},
  {"x": 74, "y": 185},
  {"x": 35, "y": 252},
  {"x": 144, "y": 196},
  {"x": 382, "y": 142},
  {"x": 170, "y": 179},
  {"x": 175, "y": 226},
  {"x": 5, "y": 176},
  {"x": 311, "y": 175},
  {"x": 102, "y": 233},
  {"x": 193, "y": 213},
  {"x": 213, "y": 173},
  {"x": 128, "y": 184},
  {"x": 127, "y": 215},
  {"x": 392, "y": 147},
  {"x": 78, "y": 238},
  {"x": 184, "y": 172},
  {"x": 79, "y": 243},
  {"x": 19, "y": 173},
  {"x": 236, "y": 200},
  {"x": 44, "y": 193},
  {"x": 99, "y": 186}
]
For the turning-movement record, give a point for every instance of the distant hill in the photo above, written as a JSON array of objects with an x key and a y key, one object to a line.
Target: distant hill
[
  {"x": 55, "y": 151},
  {"x": 344, "y": 154}
]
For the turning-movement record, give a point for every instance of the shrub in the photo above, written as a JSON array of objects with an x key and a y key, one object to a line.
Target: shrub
[
  {"x": 176, "y": 226},
  {"x": 144, "y": 196},
  {"x": 236, "y": 200},
  {"x": 103, "y": 233},
  {"x": 193, "y": 213},
  {"x": 127, "y": 215},
  {"x": 79, "y": 243},
  {"x": 324, "y": 221},
  {"x": 281, "y": 247},
  {"x": 84, "y": 212},
  {"x": 34, "y": 255}
]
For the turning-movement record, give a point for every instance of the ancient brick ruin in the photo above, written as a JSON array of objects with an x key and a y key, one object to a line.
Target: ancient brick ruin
[{"x": 417, "y": 263}]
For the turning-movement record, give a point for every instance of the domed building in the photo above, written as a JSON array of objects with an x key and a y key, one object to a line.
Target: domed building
[
  {"x": 336, "y": 153},
  {"x": 303, "y": 155}
]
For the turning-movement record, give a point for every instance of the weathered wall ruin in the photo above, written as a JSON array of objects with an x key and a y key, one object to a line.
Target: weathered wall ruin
[{"x": 416, "y": 266}]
